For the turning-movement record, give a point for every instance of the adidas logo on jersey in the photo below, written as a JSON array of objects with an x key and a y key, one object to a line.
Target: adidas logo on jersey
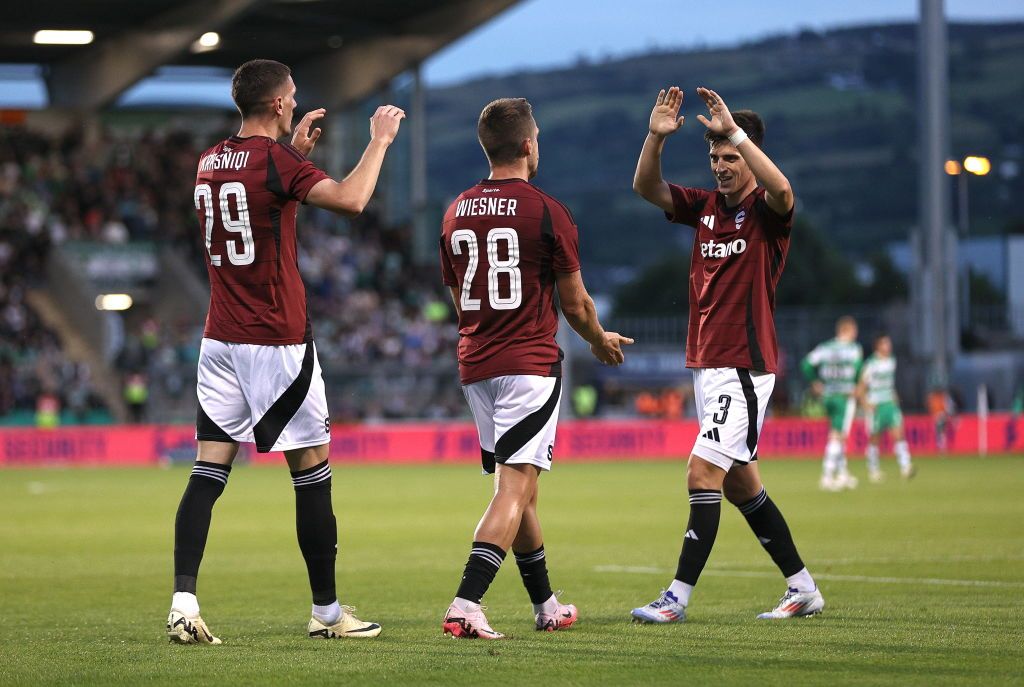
[
  {"x": 722, "y": 249},
  {"x": 712, "y": 434},
  {"x": 708, "y": 221},
  {"x": 690, "y": 534}
]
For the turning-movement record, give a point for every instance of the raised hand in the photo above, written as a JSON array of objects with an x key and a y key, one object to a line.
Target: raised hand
[
  {"x": 665, "y": 119},
  {"x": 385, "y": 122},
  {"x": 721, "y": 119},
  {"x": 302, "y": 138},
  {"x": 609, "y": 351}
]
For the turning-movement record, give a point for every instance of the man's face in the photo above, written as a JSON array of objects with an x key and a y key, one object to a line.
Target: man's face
[
  {"x": 847, "y": 332},
  {"x": 533, "y": 161},
  {"x": 730, "y": 169},
  {"x": 884, "y": 347},
  {"x": 284, "y": 104}
]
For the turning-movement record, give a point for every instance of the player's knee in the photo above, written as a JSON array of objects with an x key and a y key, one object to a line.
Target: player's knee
[
  {"x": 738, "y": 494},
  {"x": 700, "y": 474}
]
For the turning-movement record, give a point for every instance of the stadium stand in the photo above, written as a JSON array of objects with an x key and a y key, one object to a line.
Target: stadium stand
[{"x": 382, "y": 325}]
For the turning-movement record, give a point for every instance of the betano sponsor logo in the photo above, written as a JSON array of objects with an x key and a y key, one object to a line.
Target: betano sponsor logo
[{"x": 722, "y": 249}]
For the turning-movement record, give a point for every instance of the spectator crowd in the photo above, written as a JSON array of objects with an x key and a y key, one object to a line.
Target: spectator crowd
[{"x": 383, "y": 326}]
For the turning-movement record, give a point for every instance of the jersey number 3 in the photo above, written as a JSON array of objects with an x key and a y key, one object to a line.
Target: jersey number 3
[
  {"x": 239, "y": 225},
  {"x": 496, "y": 267}
]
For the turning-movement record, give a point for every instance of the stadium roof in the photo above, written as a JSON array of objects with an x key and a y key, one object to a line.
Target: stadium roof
[{"x": 340, "y": 50}]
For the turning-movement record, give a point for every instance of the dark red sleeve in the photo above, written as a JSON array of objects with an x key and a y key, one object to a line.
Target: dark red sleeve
[
  {"x": 298, "y": 175},
  {"x": 566, "y": 256},
  {"x": 686, "y": 204},
  {"x": 774, "y": 223},
  {"x": 447, "y": 271}
]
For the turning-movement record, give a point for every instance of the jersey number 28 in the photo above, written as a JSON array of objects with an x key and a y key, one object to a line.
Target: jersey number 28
[
  {"x": 497, "y": 266},
  {"x": 239, "y": 225}
]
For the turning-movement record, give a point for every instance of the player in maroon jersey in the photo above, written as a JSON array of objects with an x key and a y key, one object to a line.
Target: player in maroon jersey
[
  {"x": 506, "y": 248},
  {"x": 739, "y": 249},
  {"x": 259, "y": 378}
]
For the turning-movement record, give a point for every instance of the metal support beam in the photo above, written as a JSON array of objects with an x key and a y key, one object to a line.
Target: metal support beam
[
  {"x": 97, "y": 76},
  {"x": 938, "y": 293},
  {"x": 424, "y": 236},
  {"x": 355, "y": 72}
]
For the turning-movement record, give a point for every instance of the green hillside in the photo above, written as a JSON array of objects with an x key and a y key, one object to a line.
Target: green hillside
[{"x": 841, "y": 122}]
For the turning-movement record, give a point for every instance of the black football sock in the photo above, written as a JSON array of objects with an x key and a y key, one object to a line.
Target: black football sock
[
  {"x": 772, "y": 531},
  {"x": 317, "y": 530},
  {"x": 482, "y": 566},
  {"x": 534, "y": 571},
  {"x": 701, "y": 530},
  {"x": 192, "y": 524}
]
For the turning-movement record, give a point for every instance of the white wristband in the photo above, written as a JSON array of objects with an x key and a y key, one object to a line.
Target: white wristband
[{"x": 737, "y": 137}]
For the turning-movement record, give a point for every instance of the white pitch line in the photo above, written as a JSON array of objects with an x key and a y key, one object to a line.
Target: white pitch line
[{"x": 650, "y": 570}]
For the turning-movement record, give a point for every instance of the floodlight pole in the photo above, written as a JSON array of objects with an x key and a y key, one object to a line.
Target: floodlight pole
[
  {"x": 938, "y": 297},
  {"x": 424, "y": 237}
]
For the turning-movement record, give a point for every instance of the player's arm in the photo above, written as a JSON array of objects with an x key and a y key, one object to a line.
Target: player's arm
[
  {"x": 860, "y": 392},
  {"x": 580, "y": 313},
  {"x": 778, "y": 192},
  {"x": 665, "y": 121},
  {"x": 456, "y": 299},
  {"x": 350, "y": 195},
  {"x": 809, "y": 367}
]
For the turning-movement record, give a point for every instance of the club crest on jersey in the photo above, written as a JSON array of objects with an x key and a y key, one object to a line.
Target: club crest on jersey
[
  {"x": 708, "y": 221},
  {"x": 740, "y": 216},
  {"x": 722, "y": 249}
]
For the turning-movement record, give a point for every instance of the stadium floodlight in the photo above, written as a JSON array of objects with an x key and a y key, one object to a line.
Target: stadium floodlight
[
  {"x": 979, "y": 166},
  {"x": 208, "y": 41},
  {"x": 62, "y": 37},
  {"x": 952, "y": 167},
  {"x": 113, "y": 301}
]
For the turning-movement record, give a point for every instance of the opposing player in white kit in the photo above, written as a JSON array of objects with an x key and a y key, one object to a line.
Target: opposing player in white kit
[
  {"x": 739, "y": 250},
  {"x": 506, "y": 247},
  {"x": 259, "y": 378}
]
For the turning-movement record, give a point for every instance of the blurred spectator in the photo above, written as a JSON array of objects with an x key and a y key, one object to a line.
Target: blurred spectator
[{"x": 136, "y": 395}]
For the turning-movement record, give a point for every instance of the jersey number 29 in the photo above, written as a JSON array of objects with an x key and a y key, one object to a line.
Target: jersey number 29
[
  {"x": 497, "y": 266},
  {"x": 239, "y": 225}
]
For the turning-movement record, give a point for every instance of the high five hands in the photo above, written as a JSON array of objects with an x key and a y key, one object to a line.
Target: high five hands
[
  {"x": 303, "y": 139},
  {"x": 383, "y": 127},
  {"x": 666, "y": 120},
  {"x": 721, "y": 122}
]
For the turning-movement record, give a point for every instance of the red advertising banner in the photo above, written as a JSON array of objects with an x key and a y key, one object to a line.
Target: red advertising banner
[{"x": 457, "y": 442}]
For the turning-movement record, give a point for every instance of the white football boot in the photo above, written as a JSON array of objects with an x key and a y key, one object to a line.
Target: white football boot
[
  {"x": 665, "y": 609},
  {"x": 794, "y": 604},
  {"x": 468, "y": 624},
  {"x": 348, "y": 626},
  {"x": 845, "y": 480},
  {"x": 184, "y": 630}
]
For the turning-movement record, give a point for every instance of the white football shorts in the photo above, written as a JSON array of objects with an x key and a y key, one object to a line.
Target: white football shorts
[
  {"x": 515, "y": 416},
  {"x": 273, "y": 396},
  {"x": 731, "y": 404}
]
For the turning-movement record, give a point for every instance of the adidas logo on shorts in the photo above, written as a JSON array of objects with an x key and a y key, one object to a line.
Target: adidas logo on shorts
[{"x": 712, "y": 434}]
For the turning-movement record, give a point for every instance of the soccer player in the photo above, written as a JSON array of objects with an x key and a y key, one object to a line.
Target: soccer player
[
  {"x": 833, "y": 367},
  {"x": 506, "y": 248},
  {"x": 739, "y": 250},
  {"x": 259, "y": 378},
  {"x": 877, "y": 391}
]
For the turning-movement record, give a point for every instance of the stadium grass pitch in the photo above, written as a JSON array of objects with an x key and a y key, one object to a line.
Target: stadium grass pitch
[{"x": 924, "y": 581}]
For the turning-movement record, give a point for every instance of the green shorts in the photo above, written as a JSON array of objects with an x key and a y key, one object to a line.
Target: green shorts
[
  {"x": 884, "y": 417},
  {"x": 840, "y": 409}
]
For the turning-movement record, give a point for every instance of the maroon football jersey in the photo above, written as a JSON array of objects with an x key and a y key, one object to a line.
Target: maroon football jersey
[
  {"x": 738, "y": 255},
  {"x": 247, "y": 194},
  {"x": 502, "y": 242}
]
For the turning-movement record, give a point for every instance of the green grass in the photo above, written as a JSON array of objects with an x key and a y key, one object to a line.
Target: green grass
[{"x": 85, "y": 574}]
